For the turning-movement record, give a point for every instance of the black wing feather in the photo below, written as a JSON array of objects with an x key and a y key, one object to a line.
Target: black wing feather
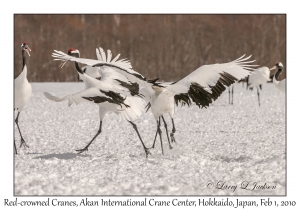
[
  {"x": 114, "y": 98},
  {"x": 200, "y": 96}
]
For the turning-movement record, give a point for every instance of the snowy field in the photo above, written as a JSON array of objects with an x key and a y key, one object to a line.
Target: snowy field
[{"x": 219, "y": 147}]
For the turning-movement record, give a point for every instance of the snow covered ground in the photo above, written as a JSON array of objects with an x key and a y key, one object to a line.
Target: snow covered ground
[{"x": 219, "y": 147}]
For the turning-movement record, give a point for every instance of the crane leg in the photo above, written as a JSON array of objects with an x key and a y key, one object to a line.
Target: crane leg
[
  {"x": 22, "y": 140},
  {"x": 247, "y": 83},
  {"x": 173, "y": 131},
  {"x": 154, "y": 140},
  {"x": 135, "y": 128},
  {"x": 229, "y": 93},
  {"x": 232, "y": 95},
  {"x": 258, "y": 96},
  {"x": 165, "y": 124},
  {"x": 159, "y": 133},
  {"x": 87, "y": 146},
  {"x": 15, "y": 147}
]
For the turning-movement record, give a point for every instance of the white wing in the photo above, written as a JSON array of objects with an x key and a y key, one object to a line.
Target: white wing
[
  {"x": 207, "y": 83},
  {"x": 90, "y": 94},
  {"x": 102, "y": 53},
  {"x": 110, "y": 76},
  {"x": 260, "y": 76},
  {"x": 134, "y": 111},
  {"x": 125, "y": 63},
  {"x": 91, "y": 71},
  {"x": 121, "y": 66},
  {"x": 99, "y": 57},
  {"x": 146, "y": 94},
  {"x": 109, "y": 55}
]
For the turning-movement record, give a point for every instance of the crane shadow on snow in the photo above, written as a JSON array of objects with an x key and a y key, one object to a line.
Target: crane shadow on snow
[
  {"x": 220, "y": 105},
  {"x": 33, "y": 153},
  {"x": 234, "y": 159},
  {"x": 64, "y": 156}
]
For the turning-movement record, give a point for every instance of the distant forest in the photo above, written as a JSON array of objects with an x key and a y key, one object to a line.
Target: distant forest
[{"x": 159, "y": 46}]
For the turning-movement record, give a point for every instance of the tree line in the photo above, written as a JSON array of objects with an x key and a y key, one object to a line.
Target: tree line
[{"x": 158, "y": 45}]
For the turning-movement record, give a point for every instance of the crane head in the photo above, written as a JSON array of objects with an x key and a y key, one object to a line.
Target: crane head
[
  {"x": 278, "y": 67},
  {"x": 72, "y": 52},
  {"x": 25, "y": 47}
]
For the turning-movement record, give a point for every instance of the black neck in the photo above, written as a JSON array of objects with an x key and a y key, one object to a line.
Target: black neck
[
  {"x": 277, "y": 74},
  {"x": 24, "y": 58},
  {"x": 79, "y": 70}
]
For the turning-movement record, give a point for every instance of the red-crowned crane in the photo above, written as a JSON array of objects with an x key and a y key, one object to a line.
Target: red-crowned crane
[
  {"x": 202, "y": 86},
  {"x": 113, "y": 93},
  {"x": 23, "y": 91}
]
